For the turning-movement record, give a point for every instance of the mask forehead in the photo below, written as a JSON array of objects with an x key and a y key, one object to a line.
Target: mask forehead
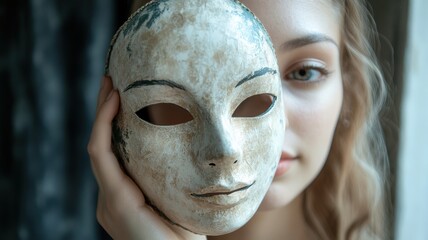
[{"x": 194, "y": 43}]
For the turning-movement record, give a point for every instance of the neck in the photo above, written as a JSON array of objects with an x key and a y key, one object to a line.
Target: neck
[{"x": 281, "y": 223}]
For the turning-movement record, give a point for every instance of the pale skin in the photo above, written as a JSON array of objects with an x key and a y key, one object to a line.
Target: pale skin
[{"x": 306, "y": 37}]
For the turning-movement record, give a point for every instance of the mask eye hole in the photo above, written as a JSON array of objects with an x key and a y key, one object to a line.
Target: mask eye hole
[
  {"x": 255, "y": 106},
  {"x": 164, "y": 114}
]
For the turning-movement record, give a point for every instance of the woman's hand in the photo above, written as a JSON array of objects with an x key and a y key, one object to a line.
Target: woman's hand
[{"x": 121, "y": 208}]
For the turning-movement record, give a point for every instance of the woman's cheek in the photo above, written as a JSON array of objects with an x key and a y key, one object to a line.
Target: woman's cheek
[{"x": 313, "y": 121}]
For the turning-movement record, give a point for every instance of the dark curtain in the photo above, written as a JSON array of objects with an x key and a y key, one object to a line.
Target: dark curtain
[{"x": 51, "y": 62}]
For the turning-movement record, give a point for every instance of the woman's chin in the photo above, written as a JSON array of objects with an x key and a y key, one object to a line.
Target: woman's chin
[{"x": 277, "y": 196}]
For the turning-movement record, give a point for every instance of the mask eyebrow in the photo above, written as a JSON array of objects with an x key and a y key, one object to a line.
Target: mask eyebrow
[
  {"x": 307, "y": 40},
  {"x": 142, "y": 83},
  {"x": 257, "y": 73}
]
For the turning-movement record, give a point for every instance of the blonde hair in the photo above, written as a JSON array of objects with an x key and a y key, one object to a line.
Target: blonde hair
[{"x": 346, "y": 200}]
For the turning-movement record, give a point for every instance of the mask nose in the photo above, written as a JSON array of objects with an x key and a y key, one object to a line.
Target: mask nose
[{"x": 219, "y": 145}]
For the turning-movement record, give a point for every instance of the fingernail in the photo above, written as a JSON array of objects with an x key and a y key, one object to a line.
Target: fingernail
[{"x": 109, "y": 95}]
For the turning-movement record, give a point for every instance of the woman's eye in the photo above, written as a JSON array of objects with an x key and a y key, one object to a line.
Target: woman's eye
[
  {"x": 307, "y": 74},
  {"x": 255, "y": 106},
  {"x": 164, "y": 114}
]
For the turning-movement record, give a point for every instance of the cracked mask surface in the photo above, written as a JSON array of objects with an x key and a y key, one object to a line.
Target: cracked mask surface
[{"x": 214, "y": 61}]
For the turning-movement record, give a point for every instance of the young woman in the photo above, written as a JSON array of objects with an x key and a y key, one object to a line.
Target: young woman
[{"x": 330, "y": 180}]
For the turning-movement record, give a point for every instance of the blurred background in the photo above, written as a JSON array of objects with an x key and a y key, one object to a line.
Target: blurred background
[{"x": 51, "y": 63}]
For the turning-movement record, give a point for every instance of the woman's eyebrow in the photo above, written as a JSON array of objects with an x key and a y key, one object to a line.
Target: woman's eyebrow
[
  {"x": 257, "y": 73},
  {"x": 307, "y": 40},
  {"x": 142, "y": 83}
]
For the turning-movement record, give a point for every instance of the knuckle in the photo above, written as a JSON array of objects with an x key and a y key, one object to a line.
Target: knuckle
[{"x": 92, "y": 149}]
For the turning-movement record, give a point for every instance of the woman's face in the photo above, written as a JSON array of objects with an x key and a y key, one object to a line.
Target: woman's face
[{"x": 306, "y": 37}]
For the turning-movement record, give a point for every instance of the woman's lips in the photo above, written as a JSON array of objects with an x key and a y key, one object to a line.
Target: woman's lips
[{"x": 284, "y": 163}]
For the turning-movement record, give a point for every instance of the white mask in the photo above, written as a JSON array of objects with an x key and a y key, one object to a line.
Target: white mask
[{"x": 203, "y": 156}]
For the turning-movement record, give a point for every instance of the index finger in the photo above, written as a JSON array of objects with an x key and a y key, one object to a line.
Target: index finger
[
  {"x": 104, "y": 163},
  {"x": 105, "y": 89}
]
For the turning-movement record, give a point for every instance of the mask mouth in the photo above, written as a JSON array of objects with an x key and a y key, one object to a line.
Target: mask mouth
[
  {"x": 213, "y": 191},
  {"x": 222, "y": 196}
]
